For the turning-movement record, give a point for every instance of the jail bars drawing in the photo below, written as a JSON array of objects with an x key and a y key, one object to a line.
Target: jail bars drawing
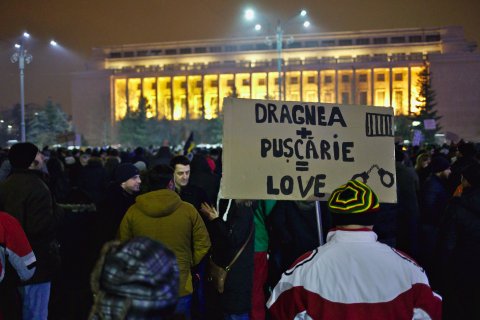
[{"x": 378, "y": 125}]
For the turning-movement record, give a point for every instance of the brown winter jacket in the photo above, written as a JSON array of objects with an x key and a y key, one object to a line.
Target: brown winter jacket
[{"x": 161, "y": 215}]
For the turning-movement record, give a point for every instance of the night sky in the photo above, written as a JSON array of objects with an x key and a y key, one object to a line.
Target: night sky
[{"x": 82, "y": 24}]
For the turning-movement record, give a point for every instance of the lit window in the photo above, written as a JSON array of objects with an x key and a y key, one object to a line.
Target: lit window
[{"x": 363, "y": 98}]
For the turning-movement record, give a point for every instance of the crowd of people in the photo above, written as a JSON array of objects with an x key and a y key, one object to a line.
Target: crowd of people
[{"x": 103, "y": 233}]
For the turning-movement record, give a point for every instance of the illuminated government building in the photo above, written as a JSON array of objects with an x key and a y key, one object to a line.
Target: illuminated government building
[{"x": 188, "y": 80}]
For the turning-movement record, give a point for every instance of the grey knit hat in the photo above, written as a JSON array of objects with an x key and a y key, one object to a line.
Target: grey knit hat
[{"x": 138, "y": 279}]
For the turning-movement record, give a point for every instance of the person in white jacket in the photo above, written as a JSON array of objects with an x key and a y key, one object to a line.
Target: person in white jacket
[{"x": 353, "y": 276}]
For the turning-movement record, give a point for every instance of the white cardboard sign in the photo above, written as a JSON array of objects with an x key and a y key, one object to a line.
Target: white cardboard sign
[{"x": 304, "y": 150}]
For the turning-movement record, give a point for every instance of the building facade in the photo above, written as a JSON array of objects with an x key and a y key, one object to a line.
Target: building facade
[{"x": 187, "y": 81}]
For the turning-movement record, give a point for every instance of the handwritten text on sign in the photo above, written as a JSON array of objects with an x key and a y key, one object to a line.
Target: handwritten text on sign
[{"x": 279, "y": 150}]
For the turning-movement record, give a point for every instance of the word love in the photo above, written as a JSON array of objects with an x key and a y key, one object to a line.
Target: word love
[{"x": 288, "y": 184}]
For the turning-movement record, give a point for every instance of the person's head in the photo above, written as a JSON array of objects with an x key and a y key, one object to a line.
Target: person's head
[
  {"x": 181, "y": 167},
  {"x": 142, "y": 167},
  {"x": 471, "y": 176},
  {"x": 84, "y": 157},
  {"x": 422, "y": 161},
  {"x": 399, "y": 154},
  {"x": 160, "y": 177},
  {"x": 440, "y": 166},
  {"x": 466, "y": 149},
  {"x": 55, "y": 166},
  {"x": 25, "y": 155},
  {"x": 137, "y": 279},
  {"x": 353, "y": 204},
  {"x": 128, "y": 176}
]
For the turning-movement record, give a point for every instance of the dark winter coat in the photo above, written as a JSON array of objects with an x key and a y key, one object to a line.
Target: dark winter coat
[
  {"x": 25, "y": 196},
  {"x": 202, "y": 176},
  {"x": 227, "y": 238},
  {"x": 460, "y": 250},
  {"x": 408, "y": 211},
  {"x": 92, "y": 179},
  {"x": 293, "y": 230},
  {"x": 194, "y": 195},
  {"x": 435, "y": 197},
  {"x": 111, "y": 210}
]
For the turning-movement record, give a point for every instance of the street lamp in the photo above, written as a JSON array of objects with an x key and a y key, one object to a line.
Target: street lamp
[
  {"x": 23, "y": 57},
  {"x": 279, "y": 32}
]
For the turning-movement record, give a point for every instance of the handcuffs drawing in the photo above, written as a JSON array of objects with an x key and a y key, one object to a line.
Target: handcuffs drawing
[{"x": 381, "y": 172}]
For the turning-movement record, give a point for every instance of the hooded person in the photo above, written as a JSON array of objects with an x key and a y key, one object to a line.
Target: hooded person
[
  {"x": 137, "y": 279},
  {"x": 459, "y": 249},
  {"x": 465, "y": 156},
  {"x": 434, "y": 198},
  {"x": 161, "y": 215},
  {"x": 26, "y": 196},
  {"x": 22, "y": 155},
  {"x": 120, "y": 195},
  {"x": 345, "y": 278}
]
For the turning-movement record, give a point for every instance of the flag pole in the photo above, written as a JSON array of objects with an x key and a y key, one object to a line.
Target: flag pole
[{"x": 319, "y": 222}]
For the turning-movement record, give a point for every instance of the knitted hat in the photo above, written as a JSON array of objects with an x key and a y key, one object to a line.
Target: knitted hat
[
  {"x": 439, "y": 164},
  {"x": 353, "y": 203},
  {"x": 472, "y": 174},
  {"x": 21, "y": 155},
  {"x": 140, "y": 165},
  {"x": 138, "y": 279},
  {"x": 125, "y": 171}
]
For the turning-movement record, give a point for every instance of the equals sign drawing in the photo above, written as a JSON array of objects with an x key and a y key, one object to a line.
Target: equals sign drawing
[{"x": 301, "y": 166}]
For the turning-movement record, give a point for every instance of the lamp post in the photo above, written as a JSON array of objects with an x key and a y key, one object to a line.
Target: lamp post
[
  {"x": 22, "y": 57},
  {"x": 279, "y": 32}
]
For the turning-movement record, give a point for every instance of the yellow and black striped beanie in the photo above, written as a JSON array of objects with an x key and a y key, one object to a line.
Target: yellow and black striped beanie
[{"x": 353, "y": 203}]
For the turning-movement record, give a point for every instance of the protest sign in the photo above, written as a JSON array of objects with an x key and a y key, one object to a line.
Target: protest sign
[{"x": 303, "y": 151}]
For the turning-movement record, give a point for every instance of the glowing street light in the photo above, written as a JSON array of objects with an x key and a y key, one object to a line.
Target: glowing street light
[
  {"x": 22, "y": 57},
  {"x": 279, "y": 32},
  {"x": 249, "y": 14}
]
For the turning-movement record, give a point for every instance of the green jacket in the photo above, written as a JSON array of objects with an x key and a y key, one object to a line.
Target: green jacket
[
  {"x": 260, "y": 219},
  {"x": 161, "y": 215}
]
